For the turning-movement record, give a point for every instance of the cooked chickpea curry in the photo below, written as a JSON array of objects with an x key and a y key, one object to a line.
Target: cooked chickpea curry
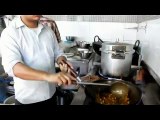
[{"x": 111, "y": 99}]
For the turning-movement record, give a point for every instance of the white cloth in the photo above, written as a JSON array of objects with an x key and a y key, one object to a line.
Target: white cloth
[{"x": 39, "y": 51}]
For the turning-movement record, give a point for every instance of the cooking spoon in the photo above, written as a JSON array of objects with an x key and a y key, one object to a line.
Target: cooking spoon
[{"x": 117, "y": 88}]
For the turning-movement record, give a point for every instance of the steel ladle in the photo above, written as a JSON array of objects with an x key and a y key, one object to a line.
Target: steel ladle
[{"x": 119, "y": 89}]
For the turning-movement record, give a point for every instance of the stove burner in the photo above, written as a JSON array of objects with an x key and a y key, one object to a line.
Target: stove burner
[{"x": 108, "y": 77}]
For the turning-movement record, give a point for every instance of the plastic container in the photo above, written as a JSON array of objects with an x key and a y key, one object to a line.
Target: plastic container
[{"x": 10, "y": 100}]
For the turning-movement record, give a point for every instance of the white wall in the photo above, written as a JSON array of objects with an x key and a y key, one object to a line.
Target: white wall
[
  {"x": 150, "y": 39},
  {"x": 107, "y": 31}
]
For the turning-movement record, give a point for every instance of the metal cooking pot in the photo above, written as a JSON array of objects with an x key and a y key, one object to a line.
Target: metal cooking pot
[
  {"x": 134, "y": 95},
  {"x": 116, "y": 59},
  {"x": 84, "y": 44},
  {"x": 84, "y": 53}
]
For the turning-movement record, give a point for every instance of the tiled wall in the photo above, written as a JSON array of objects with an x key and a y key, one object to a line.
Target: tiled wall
[
  {"x": 142, "y": 18},
  {"x": 104, "y": 18},
  {"x": 95, "y": 18}
]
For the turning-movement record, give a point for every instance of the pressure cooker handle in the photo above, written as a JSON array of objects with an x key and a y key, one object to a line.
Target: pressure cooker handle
[
  {"x": 117, "y": 52},
  {"x": 99, "y": 40},
  {"x": 136, "y": 44}
]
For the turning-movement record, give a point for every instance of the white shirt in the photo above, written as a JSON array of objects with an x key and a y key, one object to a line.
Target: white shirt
[{"x": 39, "y": 51}]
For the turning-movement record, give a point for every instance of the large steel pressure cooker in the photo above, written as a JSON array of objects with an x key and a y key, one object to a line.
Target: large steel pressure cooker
[{"x": 116, "y": 59}]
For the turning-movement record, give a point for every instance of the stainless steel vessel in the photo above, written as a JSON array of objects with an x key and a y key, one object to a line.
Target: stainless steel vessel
[
  {"x": 83, "y": 65},
  {"x": 116, "y": 59}
]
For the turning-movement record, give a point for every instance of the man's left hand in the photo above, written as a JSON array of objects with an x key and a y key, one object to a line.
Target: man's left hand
[{"x": 64, "y": 67}]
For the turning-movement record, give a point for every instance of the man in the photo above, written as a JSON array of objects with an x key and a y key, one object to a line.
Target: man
[{"x": 29, "y": 52}]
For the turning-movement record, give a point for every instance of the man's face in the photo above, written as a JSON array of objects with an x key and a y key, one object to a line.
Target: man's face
[{"x": 32, "y": 17}]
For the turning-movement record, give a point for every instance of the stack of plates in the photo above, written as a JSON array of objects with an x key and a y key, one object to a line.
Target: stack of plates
[{"x": 10, "y": 90}]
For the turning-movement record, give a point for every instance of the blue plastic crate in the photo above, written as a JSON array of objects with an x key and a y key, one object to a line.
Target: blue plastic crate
[
  {"x": 3, "y": 88},
  {"x": 3, "y": 92}
]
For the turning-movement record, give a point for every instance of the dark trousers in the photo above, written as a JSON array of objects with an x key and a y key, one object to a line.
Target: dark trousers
[
  {"x": 59, "y": 98},
  {"x": 51, "y": 101}
]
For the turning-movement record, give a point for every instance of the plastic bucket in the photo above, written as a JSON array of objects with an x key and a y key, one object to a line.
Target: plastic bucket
[{"x": 10, "y": 100}]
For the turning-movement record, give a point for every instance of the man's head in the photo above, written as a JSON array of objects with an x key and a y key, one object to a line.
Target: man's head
[{"x": 31, "y": 17}]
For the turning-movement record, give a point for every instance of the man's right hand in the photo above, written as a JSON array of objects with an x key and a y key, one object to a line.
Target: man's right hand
[{"x": 60, "y": 78}]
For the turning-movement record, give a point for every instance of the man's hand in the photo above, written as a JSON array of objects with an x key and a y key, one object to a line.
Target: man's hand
[
  {"x": 64, "y": 67},
  {"x": 60, "y": 78}
]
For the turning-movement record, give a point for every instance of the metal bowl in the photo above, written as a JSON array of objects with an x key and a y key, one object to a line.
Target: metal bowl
[
  {"x": 70, "y": 87},
  {"x": 84, "y": 53},
  {"x": 70, "y": 38},
  {"x": 10, "y": 100},
  {"x": 83, "y": 44},
  {"x": 86, "y": 45}
]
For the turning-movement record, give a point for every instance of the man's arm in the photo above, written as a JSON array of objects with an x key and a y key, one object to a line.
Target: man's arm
[{"x": 24, "y": 72}]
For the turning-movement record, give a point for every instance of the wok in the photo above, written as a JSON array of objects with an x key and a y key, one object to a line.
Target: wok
[{"x": 134, "y": 93}]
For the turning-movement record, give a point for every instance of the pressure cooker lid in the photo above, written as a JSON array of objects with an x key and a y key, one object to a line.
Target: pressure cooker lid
[{"x": 112, "y": 46}]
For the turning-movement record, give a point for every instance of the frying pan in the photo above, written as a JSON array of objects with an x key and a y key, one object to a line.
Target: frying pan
[{"x": 134, "y": 94}]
